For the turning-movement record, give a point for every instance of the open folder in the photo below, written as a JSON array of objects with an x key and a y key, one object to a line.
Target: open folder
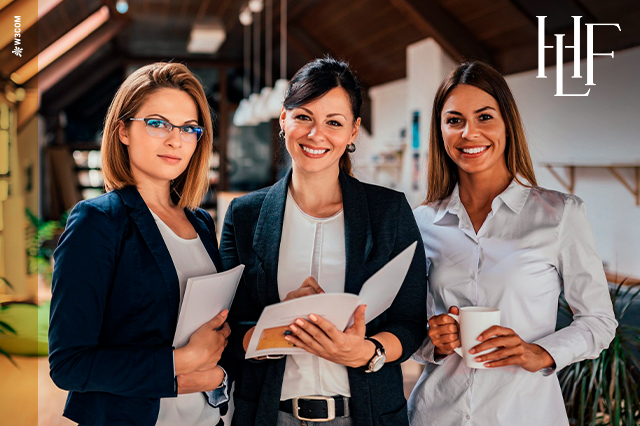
[
  {"x": 204, "y": 298},
  {"x": 378, "y": 292}
]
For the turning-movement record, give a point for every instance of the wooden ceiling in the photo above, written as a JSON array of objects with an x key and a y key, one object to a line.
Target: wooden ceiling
[{"x": 371, "y": 34}]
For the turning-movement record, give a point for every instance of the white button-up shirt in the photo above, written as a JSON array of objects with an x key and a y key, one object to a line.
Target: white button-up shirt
[
  {"x": 312, "y": 247},
  {"x": 533, "y": 243}
]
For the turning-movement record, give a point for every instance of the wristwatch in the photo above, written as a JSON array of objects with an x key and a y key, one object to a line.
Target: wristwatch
[{"x": 378, "y": 359}]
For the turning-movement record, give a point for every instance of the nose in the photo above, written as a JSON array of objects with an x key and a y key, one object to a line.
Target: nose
[
  {"x": 470, "y": 130},
  {"x": 316, "y": 133},
  {"x": 174, "y": 138}
]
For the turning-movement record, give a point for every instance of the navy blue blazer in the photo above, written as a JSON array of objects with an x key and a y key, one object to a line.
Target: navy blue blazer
[
  {"x": 379, "y": 224},
  {"x": 114, "y": 310}
]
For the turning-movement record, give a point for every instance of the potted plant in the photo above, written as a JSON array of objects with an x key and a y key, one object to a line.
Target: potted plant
[
  {"x": 604, "y": 391},
  {"x": 4, "y": 327}
]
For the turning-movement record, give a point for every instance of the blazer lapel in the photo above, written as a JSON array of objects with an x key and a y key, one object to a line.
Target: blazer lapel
[
  {"x": 209, "y": 241},
  {"x": 141, "y": 216},
  {"x": 266, "y": 241},
  {"x": 357, "y": 231}
]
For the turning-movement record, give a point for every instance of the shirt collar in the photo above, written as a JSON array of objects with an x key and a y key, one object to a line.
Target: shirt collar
[{"x": 514, "y": 197}]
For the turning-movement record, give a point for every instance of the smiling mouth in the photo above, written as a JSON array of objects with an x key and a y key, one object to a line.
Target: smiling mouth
[
  {"x": 313, "y": 151},
  {"x": 474, "y": 150}
]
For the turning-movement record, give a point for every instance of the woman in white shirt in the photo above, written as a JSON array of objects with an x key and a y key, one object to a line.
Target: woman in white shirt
[
  {"x": 493, "y": 238},
  {"x": 324, "y": 229}
]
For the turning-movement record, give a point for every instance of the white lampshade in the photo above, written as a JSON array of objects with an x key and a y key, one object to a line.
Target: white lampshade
[
  {"x": 276, "y": 98},
  {"x": 239, "y": 117},
  {"x": 260, "y": 109},
  {"x": 252, "y": 120}
]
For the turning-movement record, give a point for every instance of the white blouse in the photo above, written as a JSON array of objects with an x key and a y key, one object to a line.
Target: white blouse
[
  {"x": 311, "y": 247},
  {"x": 533, "y": 243},
  {"x": 190, "y": 259}
]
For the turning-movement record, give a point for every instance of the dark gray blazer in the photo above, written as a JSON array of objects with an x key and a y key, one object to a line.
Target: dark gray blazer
[{"x": 379, "y": 224}]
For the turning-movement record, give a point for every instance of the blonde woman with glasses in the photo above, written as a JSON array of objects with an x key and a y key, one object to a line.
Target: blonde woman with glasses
[{"x": 123, "y": 261}]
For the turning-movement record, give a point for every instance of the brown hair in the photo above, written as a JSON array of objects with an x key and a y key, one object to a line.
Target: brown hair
[
  {"x": 442, "y": 174},
  {"x": 189, "y": 188},
  {"x": 317, "y": 78}
]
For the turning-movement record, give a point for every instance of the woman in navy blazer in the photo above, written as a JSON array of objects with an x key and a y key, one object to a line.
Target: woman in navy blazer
[
  {"x": 116, "y": 291},
  {"x": 319, "y": 122}
]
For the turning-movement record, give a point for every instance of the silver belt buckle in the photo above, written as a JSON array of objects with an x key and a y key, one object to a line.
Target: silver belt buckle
[{"x": 331, "y": 408}]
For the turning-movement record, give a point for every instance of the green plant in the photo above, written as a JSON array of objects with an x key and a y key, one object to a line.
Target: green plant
[
  {"x": 41, "y": 242},
  {"x": 4, "y": 327},
  {"x": 604, "y": 391}
]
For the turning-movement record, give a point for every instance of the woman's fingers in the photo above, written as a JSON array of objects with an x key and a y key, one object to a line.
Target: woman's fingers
[
  {"x": 496, "y": 342},
  {"x": 311, "y": 282},
  {"x": 303, "y": 333},
  {"x": 500, "y": 354}
]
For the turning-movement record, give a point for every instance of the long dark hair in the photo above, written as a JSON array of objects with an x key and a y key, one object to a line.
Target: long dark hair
[
  {"x": 318, "y": 77},
  {"x": 442, "y": 175}
]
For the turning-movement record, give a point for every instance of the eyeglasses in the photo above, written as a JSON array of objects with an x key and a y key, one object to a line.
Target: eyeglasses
[{"x": 158, "y": 128}]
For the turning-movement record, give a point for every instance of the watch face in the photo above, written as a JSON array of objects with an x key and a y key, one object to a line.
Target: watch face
[{"x": 378, "y": 363}]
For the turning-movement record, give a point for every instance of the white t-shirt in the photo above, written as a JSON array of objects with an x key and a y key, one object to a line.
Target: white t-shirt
[
  {"x": 312, "y": 247},
  {"x": 190, "y": 258}
]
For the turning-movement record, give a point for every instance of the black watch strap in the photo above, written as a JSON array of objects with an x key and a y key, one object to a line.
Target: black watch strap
[{"x": 378, "y": 347}]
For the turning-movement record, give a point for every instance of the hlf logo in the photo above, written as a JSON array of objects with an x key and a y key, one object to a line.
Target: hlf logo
[{"x": 576, "y": 54}]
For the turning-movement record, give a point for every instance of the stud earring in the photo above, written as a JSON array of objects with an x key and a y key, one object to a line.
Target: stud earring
[{"x": 351, "y": 148}]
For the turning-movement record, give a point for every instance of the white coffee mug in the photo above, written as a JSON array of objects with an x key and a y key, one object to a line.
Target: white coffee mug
[{"x": 472, "y": 321}]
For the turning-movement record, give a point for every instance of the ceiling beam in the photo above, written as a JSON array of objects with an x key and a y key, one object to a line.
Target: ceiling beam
[
  {"x": 76, "y": 56},
  {"x": 433, "y": 21}
]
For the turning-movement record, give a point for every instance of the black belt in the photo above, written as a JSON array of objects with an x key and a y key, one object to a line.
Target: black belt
[{"x": 316, "y": 408}]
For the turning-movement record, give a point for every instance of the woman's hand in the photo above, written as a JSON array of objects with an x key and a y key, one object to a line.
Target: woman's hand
[
  {"x": 200, "y": 381},
  {"x": 445, "y": 332},
  {"x": 309, "y": 287},
  {"x": 205, "y": 346},
  {"x": 512, "y": 350},
  {"x": 319, "y": 337}
]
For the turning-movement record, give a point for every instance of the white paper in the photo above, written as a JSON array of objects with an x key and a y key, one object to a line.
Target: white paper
[
  {"x": 204, "y": 298},
  {"x": 378, "y": 292}
]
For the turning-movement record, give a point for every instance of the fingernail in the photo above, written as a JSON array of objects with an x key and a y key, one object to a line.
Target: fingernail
[
  {"x": 288, "y": 333},
  {"x": 472, "y": 351},
  {"x": 313, "y": 318},
  {"x": 478, "y": 358},
  {"x": 293, "y": 327},
  {"x": 480, "y": 338},
  {"x": 300, "y": 322},
  {"x": 287, "y": 338}
]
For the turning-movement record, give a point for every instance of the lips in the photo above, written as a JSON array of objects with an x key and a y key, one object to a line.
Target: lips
[{"x": 172, "y": 159}]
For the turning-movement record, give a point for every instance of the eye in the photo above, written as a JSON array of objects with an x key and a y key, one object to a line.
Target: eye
[
  {"x": 157, "y": 124},
  {"x": 191, "y": 129},
  {"x": 335, "y": 123},
  {"x": 453, "y": 120},
  {"x": 485, "y": 117},
  {"x": 302, "y": 117}
]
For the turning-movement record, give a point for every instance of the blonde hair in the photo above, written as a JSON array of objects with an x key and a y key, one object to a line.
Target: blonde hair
[
  {"x": 442, "y": 174},
  {"x": 189, "y": 188}
]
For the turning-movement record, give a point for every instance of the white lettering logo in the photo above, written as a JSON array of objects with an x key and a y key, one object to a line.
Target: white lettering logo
[
  {"x": 576, "y": 54},
  {"x": 17, "y": 50}
]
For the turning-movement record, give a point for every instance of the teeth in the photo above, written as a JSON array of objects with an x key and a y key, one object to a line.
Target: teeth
[
  {"x": 314, "y": 151},
  {"x": 473, "y": 150}
]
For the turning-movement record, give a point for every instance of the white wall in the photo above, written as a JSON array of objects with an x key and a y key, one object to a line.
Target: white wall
[{"x": 602, "y": 128}]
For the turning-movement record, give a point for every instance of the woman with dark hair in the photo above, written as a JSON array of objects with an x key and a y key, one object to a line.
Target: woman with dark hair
[
  {"x": 493, "y": 238},
  {"x": 321, "y": 230},
  {"x": 123, "y": 262}
]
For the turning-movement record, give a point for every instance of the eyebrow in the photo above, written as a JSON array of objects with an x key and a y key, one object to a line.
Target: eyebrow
[
  {"x": 475, "y": 112},
  {"x": 166, "y": 119},
  {"x": 328, "y": 115}
]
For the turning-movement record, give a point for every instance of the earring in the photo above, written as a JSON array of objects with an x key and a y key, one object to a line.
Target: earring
[
  {"x": 281, "y": 134},
  {"x": 351, "y": 148}
]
